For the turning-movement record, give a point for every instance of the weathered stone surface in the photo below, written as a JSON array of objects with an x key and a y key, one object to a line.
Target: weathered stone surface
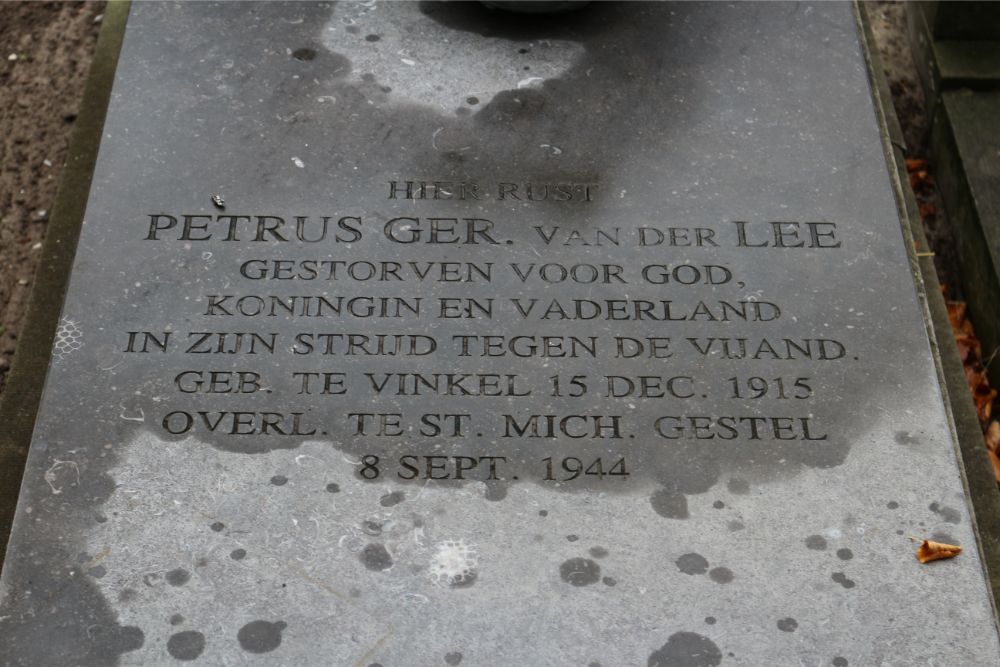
[{"x": 768, "y": 503}]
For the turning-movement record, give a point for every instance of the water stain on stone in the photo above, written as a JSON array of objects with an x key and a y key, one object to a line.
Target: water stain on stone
[
  {"x": 609, "y": 581},
  {"x": 238, "y": 554},
  {"x": 353, "y": 29},
  {"x": 845, "y": 554},
  {"x": 580, "y": 572},
  {"x": 710, "y": 620},
  {"x": 178, "y": 577},
  {"x": 372, "y": 38},
  {"x": 734, "y": 525},
  {"x": 97, "y": 571},
  {"x": 906, "y": 438},
  {"x": 840, "y": 662},
  {"x": 218, "y": 526},
  {"x": 598, "y": 552},
  {"x": 304, "y": 54},
  {"x": 816, "y": 542},
  {"x": 543, "y": 513},
  {"x": 686, "y": 649},
  {"x": 670, "y": 504},
  {"x": 127, "y": 595},
  {"x": 738, "y": 487},
  {"x": 692, "y": 564},
  {"x": 949, "y": 514},
  {"x": 260, "y": 636},
  {"x": 390, "y": 499},
  {"x": 375, "y": 557},
  {"x": 572, "y": 538},
  {"x": 333, "y": 488},
  {"x": 788, "y": 624},
  {"x": 721, "y": 575},
  {"x": 279, "y": 480},
  {"x": 892, "y": 504},
  {"x": 842, "y": 579},
  {"x": 176, "y": 619},
  {"x": 718, "y": 504},
  {"x": 495, "y": 490},
  {"x": 453, "y": 658},
  {"x": 187, "y": 645}
]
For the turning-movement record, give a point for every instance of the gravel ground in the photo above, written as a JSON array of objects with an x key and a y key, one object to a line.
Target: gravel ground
[{"x": 46, "y": 50}]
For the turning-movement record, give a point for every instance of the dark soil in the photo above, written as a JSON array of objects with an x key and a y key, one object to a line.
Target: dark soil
[
  {"x": 888, "y": 21},
  {"x": 45, "y": 50}
]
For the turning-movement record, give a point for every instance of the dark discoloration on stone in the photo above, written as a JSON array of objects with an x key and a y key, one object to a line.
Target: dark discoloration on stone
[
  {"x": 390, "y": 499},
  {"x": 496, "y": 490},
  {"x": 735, "y": 525},
  {"x": 609, "y": 581},
  {"x": 176, "y": 619},
  {"x": 97, "y": 571},
  {"x": 333, "y": 487},
  {"x": 572, "y": 538},
  {"x": 375, "y": 557},
  {"x": 453, "y": 658},
  {"x": 238, "y": 554},
  {"x": 178, "y": 577},
  {"x": 949, "y": 514},
  {"x": 580, "y": 572},
  {"x": 598, "y": 552},
  {"x": 372, "y": 38},
  {"x": 218, "y": 526},
  {"x": 788, "y": 624},
  {"x": 738, "y": 487},
  {"x": 466, "y": 581},
  {"x": 686, "y": 649},
  {"x": 721, "y": 575},
  {"x": 127, "y": 595},
  {"x": 692, "y": 564},
  {"x": 260, "y": 636},
  {"x": 718, "y": 504},
  {"x": 892, "y": 504},
  {"x": 543, "y": 513},
  {"x": 840, "y": 662},
  {"x": 906, "y": 438},
  {"x": 188, "y": 645},
  {"x": 670, "y": 504},
  {"x": 842, "y": 579},
  {"x": 371, "y": 527},
  {"x": 845, "y": 554},
  {"x": 304, "y": 54},
  {"x": 279, "y": 480},
  {"x": 816, "y": 542}
]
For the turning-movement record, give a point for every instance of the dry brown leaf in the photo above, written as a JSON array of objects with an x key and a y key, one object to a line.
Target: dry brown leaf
[
  {"x": 929, "y": 551},
  {"x": 995, "y": 460},
  {"x": 993, "y": 438},
  {"x": 915, "y": 164}
]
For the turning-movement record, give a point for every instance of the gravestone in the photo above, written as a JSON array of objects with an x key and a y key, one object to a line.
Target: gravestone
[{"x": 425, "y": 334}]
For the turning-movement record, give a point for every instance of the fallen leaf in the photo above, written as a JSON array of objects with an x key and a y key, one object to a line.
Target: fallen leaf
[
  {"x": 915, "y": 164},
  {"x": 995, "y": 460},
  {"x": 929, "y": 551},
  {"x": 993, "y": 437}
]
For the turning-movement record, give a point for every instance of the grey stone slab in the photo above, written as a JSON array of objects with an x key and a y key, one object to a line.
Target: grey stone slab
[{"x": 786, "y": 544}]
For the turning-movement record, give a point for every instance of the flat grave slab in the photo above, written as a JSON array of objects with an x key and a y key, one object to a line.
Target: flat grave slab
[{"x": 426, "y": 334}]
